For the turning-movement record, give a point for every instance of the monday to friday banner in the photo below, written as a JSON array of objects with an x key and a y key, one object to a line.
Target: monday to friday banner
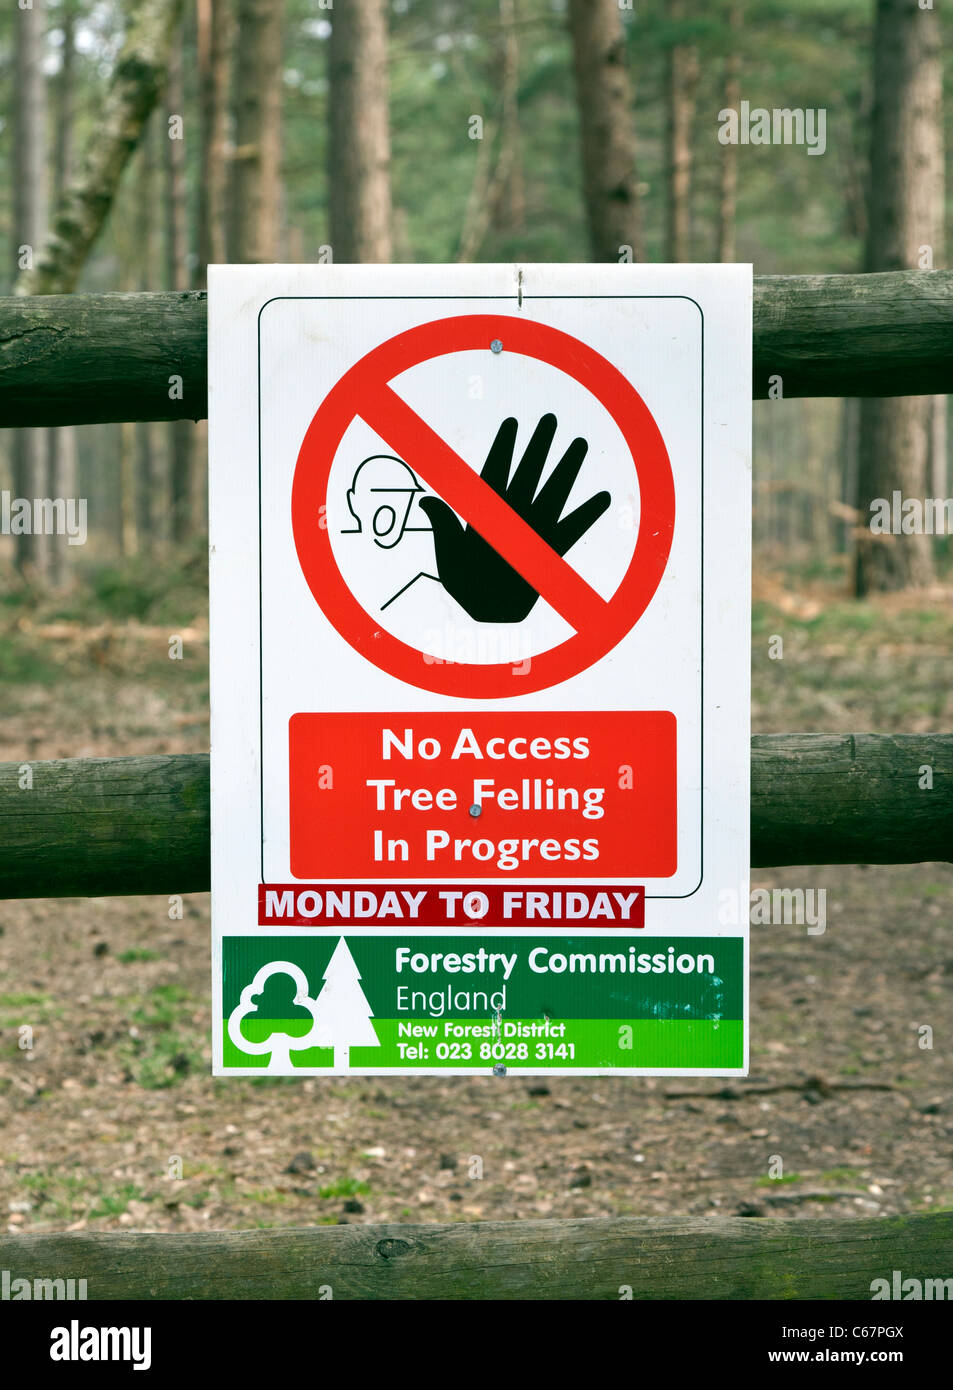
[{"x": 480, "y": 601}]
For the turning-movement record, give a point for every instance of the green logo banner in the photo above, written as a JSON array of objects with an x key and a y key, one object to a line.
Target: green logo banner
[{"x": 428, "y": 1003}]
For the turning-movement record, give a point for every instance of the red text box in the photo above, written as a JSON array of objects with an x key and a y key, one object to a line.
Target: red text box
[
  {"x": 456, "y": 904},
  {"x": 578, "y": 795}
]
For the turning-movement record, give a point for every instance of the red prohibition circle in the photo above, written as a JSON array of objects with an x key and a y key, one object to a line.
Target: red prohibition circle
[{"x": 353, "y": 395}]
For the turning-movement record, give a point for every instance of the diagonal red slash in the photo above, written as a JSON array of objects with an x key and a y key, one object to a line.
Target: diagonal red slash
[{"x": 465, "y": 491}]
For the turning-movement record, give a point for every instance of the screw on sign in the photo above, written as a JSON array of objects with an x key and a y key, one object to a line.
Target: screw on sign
[{"x": 499, "y": 539}]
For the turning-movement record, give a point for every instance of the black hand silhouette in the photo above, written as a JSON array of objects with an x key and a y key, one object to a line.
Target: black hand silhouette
[{"x": 479, "y": 579}]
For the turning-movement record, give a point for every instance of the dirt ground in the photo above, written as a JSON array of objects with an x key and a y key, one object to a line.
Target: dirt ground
[{"x": 109, "y": 1119}]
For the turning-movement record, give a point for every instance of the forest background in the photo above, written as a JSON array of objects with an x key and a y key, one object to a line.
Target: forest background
[{"x": 494, "y": 130}]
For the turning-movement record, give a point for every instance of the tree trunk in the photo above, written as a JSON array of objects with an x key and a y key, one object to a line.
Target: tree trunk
[
  {"x": 359, "y": 148},
  {"x": 607, "y": 133},
  {"x": 681, "y": 86},
  {"x": 176, "y": 212},
  {"x": 129, "y": 489},
  {"x": 30, "y": 454},
  {"x": 29, "y": 144},
  {"x": 134, "y": 90},
  {"x": 146, "y": 432},
  {"x": 938, "y": 446},
  {"x": 213, "y": 40},
  {"x": 854, "y": 168},
  {"x": 177, "y": 278},
  {"x": 65, "y": 101},
  {"x": 63, "y": 464},
  {"x": 255, "y": 209},
  {"x": 728, "y": 154},
  {"x": 213, "y": 43},
  {"x": 476, "y": 211},
  {"x": 905, "y": 206},
  {"x": 850, "y": 462},
  {"x": 510, "y": 212},
  {"x": 937, "y": 468}
]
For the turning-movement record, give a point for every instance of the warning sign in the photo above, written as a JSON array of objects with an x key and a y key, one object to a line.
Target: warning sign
[
  {"x": 496, "y": 540},
  {"x": 480, "y": 578}
]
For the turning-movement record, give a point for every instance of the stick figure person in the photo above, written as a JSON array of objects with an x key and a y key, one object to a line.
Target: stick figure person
[
  {"x": 380, "y": 499},
  {"x": 383, "y": 500}
]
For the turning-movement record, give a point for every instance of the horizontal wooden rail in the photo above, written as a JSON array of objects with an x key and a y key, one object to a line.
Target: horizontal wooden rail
[
  {"x": 656, "y": 1257},
  {"x": 79, "y": 359},
  {"x": 90, "y": 827},
  {"x": 93, "y": 827},
  {"x": 851, "y": 798}
]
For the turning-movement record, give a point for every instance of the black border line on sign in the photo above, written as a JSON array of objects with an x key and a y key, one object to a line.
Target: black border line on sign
[{"x": 497, "y": 298}]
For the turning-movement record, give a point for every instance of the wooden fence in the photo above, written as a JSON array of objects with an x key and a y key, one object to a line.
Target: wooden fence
[
  {"x": 91, "y": 827},
  {"x": 99, "y": 358},
  {"x": 140, "y": 825},
  {"x": 592, "y": 1259}
]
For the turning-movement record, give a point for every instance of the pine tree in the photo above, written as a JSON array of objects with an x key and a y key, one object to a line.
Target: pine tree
[{"x": 344, "y": 1014}]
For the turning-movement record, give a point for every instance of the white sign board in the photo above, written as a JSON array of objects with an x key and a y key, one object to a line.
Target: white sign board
[{"x": 480, "y": 574}]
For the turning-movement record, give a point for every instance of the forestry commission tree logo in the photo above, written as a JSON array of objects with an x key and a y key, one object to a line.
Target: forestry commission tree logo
[
  {"x": 344, "y": 1015},
  {"x": 267, "y": 999},
  {"x": 276, "y": 1014}
]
